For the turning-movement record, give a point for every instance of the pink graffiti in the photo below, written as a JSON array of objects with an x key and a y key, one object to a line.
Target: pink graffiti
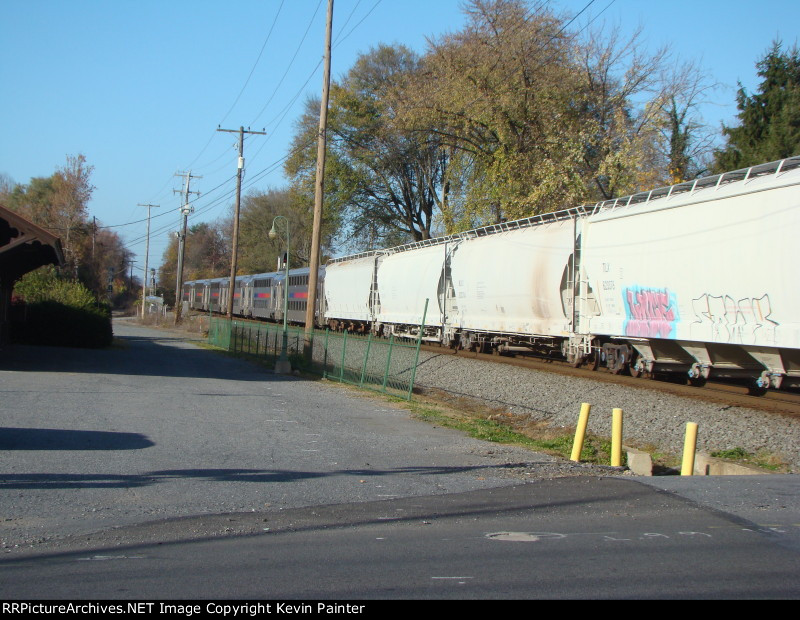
[{"x": 651, "y": 313}]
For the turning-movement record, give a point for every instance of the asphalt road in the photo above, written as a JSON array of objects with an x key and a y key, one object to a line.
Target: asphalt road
[
  {"x": 160, "y": 470},
  {"x": 158, "y": 428}
]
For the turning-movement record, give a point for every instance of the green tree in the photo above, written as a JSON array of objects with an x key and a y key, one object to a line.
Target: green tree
[
  {"x": 94, "y": 255},
  {"x": 106, "y": 264},
  {"x": 206, "y": 255},
  {"x": 384, "y": 180},
  {"x": 538, "y": 118},
  {"x": 53, "y": 301},
  {"x": 686, "y": 141},
  {"x": 768, "y": 126},
  {"x": 496, "y": 93},
  {"x": 60, "y": 203}
]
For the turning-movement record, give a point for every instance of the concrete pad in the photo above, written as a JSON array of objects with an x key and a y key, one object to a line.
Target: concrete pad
[{"x": 707, "y": 465}]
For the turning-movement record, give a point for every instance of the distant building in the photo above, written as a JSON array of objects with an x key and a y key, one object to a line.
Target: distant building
[{"x": 153, "y": 305}]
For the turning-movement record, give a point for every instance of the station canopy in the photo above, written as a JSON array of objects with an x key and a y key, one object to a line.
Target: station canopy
[{"x": 24, "y": 246}]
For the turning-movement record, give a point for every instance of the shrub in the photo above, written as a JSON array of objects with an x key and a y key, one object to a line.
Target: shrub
[{"x": 60, "y": 312}]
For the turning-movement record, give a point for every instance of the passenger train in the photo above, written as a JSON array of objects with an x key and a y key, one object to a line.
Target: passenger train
[{"x": 697, "y": 278}]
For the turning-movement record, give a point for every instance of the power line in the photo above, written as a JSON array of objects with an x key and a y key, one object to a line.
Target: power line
[
  {"x": 255, "y": 64},
  {"x": 274, "y": 92}
]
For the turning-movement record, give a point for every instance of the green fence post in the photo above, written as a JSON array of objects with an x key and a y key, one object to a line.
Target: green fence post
[
  {"x": 366, "y": 359},
  {"x": 344, "y": 350},
  {"x": 388, "y": 361},
  {"x": 325, "y": 355},
  {"x": 419, "y": 344}
]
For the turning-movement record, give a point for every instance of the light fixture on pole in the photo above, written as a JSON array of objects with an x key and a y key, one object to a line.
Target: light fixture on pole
[{"x": 283, "y": 366}]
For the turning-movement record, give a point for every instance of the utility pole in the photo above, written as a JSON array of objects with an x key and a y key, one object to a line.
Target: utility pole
[
  {"x": 235, "y": 249},
  {"x": 318, "y": 191},
  {"x": 94, "y": 236},
  {"x": 186, "y": 209},
  {"x": 146, "y": 256}
]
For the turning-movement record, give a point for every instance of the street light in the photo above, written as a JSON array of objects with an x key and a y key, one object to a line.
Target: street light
[{"x": 282, "y": 366}]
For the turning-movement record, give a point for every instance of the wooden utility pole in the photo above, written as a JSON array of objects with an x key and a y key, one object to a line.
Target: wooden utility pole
[
  {"x": 235, "y": 249},
  {"x": 318, "y": 191},
  {"x": 186, "y": 209},
  {"x": 94, "y": 237},
  {"x": 146, "y": 257}
]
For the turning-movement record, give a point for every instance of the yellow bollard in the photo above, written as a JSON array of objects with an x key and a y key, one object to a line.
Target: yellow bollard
[
  {"x": 689, "y": 447},
  {"x": 616, "y": 438},
  {"x": 580, "y": 432}
]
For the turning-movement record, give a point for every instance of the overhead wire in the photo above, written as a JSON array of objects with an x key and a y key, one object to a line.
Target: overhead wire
[
  {"x": 255, "y": 64},
  {"x": 374, "y": 6},
  {"x": 281, "y": 115},
  {"x": 277, "y": 120},
  {"x": 291, "y": 62},
  {"x": 347, "y": 21},
  {"x": 271, "y": 97},
  {"x": 198, "y": 210},
  {"x": 233, "y": 105}
]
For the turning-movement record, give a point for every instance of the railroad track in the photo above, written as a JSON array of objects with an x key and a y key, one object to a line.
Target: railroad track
[{"x": 778, "y": 402}]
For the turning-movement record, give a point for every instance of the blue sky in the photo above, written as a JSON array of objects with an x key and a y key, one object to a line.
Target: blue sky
[{"x": 139, "y": 87}]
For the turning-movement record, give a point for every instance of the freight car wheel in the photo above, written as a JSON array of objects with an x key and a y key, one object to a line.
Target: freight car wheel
[
  {"x": 594, "y": 360},
  {"x": 621, "y": 360},
  {"x": 636, "y": 370},
  {"x": 467, "y": 341}
]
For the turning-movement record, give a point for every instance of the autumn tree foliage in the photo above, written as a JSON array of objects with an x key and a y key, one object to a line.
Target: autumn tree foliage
[
  {"x": 206, "y": 255},
  {"x": 94, "y": 255},
  {"x": 258, "y": 252},
  {"x": 519, "y": 112}
]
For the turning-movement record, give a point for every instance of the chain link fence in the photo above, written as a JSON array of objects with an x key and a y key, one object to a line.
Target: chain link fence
[{"x": 380, "y": 364}]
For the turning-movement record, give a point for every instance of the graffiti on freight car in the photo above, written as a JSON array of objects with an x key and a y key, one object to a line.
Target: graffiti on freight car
[
  {"x": 650, "y": 313},
  {"x": 720, "y": 318}
]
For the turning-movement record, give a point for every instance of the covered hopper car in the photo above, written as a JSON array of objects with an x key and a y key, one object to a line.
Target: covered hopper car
[{"x": 696, "y": 278}]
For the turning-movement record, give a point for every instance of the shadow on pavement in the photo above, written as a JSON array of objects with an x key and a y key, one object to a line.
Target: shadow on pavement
[
  {"x": 63, "y": 439},
  {"x": 162, "y": 356},
  {"x": 77, "y": 481}
]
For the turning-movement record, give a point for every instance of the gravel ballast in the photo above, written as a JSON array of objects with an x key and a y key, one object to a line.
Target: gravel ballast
[{"x": 651, "y": 418}]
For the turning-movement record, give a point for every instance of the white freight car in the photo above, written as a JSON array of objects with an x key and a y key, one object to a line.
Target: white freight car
[
  {"x": 350, "y": 292},
  {"x": 696, "y": 278},
  {"x": 699, "y": 276},
  {"x": 512, "y": 288},
  {"x": 408, "y": 291}
]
